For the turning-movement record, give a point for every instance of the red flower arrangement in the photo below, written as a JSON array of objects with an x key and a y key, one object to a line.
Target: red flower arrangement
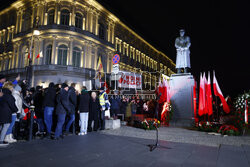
[{"x": 229, "y": 130}]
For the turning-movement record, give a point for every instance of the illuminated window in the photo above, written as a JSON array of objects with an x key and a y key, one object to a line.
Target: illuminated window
[
  {"x": 48, "y": 54},
  {"x": 78, "y": 20},
  {"x": 76, "y": 57},
  {"x": 51, "y": 14},
  {"x": 64, "y": 17},
  {"x": 62, "y": 55}
]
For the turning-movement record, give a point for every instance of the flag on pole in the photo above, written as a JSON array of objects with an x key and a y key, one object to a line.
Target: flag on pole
[
  {"x": 209, "y": 96},
  {"x": 99, "y": 65},
  {"x": 105, "y": 85},
  {"x": 205, "y": 94},
  {"x": 40, "y": 54},
  {"x": 163, "y": 92},
  {"x": 217, "y": 92},
  {"x": 99, "y": 73},
  {"x": 201, "y": 96}
]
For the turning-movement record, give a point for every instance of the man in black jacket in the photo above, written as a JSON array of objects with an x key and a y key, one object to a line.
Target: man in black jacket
[
  {"x": 84, "y": 111},
  {"x": 49, "y": 105},
  {"x": 72, "y": 104},
  {"x": 61, "y": 109},
  {"x": 38, "y": 103}
]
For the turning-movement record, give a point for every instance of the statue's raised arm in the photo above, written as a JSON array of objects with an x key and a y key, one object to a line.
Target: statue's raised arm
[{"x": 182, "y": 45}]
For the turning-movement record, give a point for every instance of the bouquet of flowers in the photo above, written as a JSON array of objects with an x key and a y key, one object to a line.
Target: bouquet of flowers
[
  {"x": 150, "y": 124},
  {"x": 229, "y": 130},
  {"x": 240, "y": 106},
  {"x": 207, "y": 126}
]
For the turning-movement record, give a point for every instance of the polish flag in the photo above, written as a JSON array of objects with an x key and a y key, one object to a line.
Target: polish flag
[
  {"x": 163, "y": 92},
  {"x": 105, "y": 85},
  {"x": 217, "y": 92},
  {"x": 209, "y": 96},
  {"x": 201, "y": 96},
  {"x": 40, "y": 54},
  {"x": 167, "y": 90},
  {"x": 205, "y": 94}
]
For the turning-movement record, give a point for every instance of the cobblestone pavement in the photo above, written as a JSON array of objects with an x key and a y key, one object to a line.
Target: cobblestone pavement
[{"x": 181, "y": 135}]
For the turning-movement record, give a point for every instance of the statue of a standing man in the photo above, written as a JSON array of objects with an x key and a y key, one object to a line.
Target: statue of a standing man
[{"x": 182, "y": 45}]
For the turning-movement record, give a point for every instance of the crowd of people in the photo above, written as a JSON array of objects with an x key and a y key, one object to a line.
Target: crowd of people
[{"x": 60, "y": 110}]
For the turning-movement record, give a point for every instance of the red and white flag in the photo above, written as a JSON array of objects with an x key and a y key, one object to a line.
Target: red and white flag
[
  {"x": 209, "y": 96},
  {"x": 205, "y": 94},
  {"x": 167, "y": 90},
  {"x": 201, "y": 96},
  {"x": 217, "y": 92},
  {"x": 40, "y": 54}
]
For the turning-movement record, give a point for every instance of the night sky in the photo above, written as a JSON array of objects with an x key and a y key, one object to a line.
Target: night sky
[{"x": 219, "y": 32}]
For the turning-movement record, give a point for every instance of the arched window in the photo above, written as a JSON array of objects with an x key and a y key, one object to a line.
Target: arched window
[
  {"x": 78, "y": 20},
  {"x": 48, "y": 54},
  {"x": 51, "y": 14},
  {"x": 102, "y": 31},
  {"x": 62, "y": 55},
  {"x": 76, "y": 57},
  {"x": 64, "y": 17}
]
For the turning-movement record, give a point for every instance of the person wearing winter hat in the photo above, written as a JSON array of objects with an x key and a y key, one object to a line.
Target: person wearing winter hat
[{"x": 62, "y": 109}]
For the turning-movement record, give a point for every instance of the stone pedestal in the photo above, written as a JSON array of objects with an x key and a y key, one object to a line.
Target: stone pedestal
[
  {"x": 112, "y": 124},
  {"x": 182, "y": 99}
]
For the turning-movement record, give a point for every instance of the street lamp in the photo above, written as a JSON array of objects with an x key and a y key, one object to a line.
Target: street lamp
[{"x": 35, "y": 32}]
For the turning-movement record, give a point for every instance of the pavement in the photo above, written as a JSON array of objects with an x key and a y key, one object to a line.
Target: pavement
[
  {"x": 100, "y": 149},
  {"x": 181, "y": 135}
]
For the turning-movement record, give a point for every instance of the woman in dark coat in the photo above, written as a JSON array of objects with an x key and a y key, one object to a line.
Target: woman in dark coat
[
  {"x": 94, "y": 111},
  {"x": 7, "y": 107}
]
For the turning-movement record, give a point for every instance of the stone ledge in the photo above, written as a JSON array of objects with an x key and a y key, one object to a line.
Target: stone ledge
[{"x": 112, "y": 124}]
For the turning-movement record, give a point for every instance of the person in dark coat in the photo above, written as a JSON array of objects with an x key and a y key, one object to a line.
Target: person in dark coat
[
  {"x": 61, "y": 109},
  {"x": 38, "y": 103},
  {"x": 49, "y": 105},
  {"x": 84, "y": 111},
  {"x": 8, "y": 107},
  {"x": 72, "y": 104},
  {"x": 94, "y": 111},
  {"x": 115, "y": 104}
]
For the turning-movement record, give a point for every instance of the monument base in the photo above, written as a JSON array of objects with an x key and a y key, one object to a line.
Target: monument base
[{"x": 182, "y": 99}]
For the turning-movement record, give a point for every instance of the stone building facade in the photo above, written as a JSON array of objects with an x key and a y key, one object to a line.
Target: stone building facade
[{"x": 73, "y": 35}]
